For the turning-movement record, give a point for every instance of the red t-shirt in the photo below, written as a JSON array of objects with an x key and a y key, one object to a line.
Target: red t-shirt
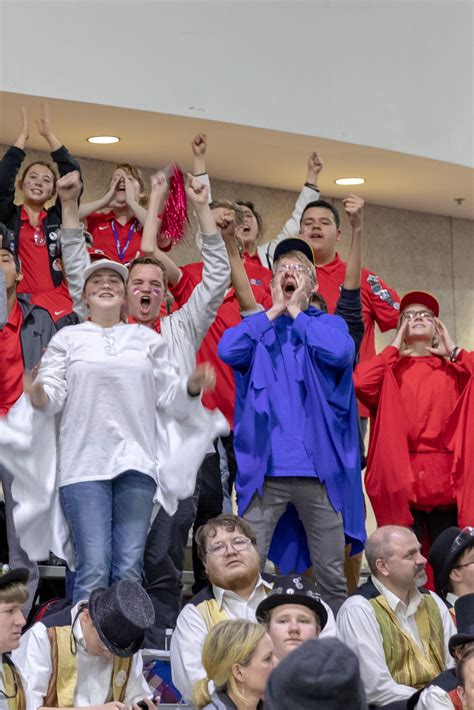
[
  {"x": 228, "y": 315},
  {"x": 11, "y": 360},
  {"x": 101, "y": 226},
  {"x": 258, "y": 274},
  {"x": 380, "y": 304},
  {"x": 34, "y": 257},
  {"x": 37, "y": 281}
]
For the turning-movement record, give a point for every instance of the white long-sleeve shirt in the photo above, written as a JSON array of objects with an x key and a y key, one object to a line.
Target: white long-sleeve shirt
[
  {"x": 434, "y": 698},
  {"x": 191, "y": 631},
  {"x": 94, "y": 673},
  {"x": 357, "y": 627},
  {"x": 108, "y": 382}
]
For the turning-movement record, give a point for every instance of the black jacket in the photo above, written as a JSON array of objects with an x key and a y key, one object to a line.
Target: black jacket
[
  {"x": 37, "y": 330},
  {"x": 10, "y": 213}
]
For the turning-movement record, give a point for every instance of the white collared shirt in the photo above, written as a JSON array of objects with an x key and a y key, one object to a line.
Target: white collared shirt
[
  {"x": 434, "y": 698},
  {"x": 357, "y": 627},
  {"x": 451, "y": 598},
  {"x": 94, "y": 673},
  {"x": 191, "y": 631}
]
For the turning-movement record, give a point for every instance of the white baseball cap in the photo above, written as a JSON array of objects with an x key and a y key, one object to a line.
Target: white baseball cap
[{"x": 120, "y": 269}]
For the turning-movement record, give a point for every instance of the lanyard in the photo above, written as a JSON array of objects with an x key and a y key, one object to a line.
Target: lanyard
[{"x": 121, "y": 252}]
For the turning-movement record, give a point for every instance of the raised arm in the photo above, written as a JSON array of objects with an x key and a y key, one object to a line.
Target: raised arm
[
  {"x": 158, "y": 195},
  {"x": 353, "y": 206},
  {"x": 238, "y": 275},
  {"x": 9, "y": 167},
  {"x": 74, "y": 253},
  {"x": 309, "y": 193},
  {"x": 24, "y": 133},
  {"x": 101, "y": 203},
  {"x": 369, "y": 375},
  {"x": 43, "y": 124},
  {"x": 199, "y": 147}
]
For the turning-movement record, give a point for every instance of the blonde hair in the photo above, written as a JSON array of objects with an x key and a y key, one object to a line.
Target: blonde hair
[
  {"x": 302, "y": 258},
  {"x": 227, "y": 643},
  {"x": 14, "y": 593}
]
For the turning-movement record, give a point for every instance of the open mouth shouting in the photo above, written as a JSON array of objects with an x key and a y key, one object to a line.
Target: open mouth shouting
[{"x": 145, "y": 304}]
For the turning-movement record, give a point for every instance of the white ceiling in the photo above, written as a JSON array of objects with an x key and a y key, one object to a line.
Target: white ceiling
[
  {"x": 382, "y": 88},
  {"x": 249, "y": 155}
]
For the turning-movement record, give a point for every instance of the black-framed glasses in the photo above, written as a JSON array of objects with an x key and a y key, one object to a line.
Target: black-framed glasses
[{"x": 464, "y": 539}]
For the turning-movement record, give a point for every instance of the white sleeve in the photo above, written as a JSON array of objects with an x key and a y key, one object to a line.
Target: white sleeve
[
  {"x": 291, "y": 227},
  {"x": 52, "y": 373},
  {"x": 448, "y": 628},
  {"x": 329, "y": 630},
  {"x": 185, "y": 650},
  {"x": 75, "y": 259},
  {"x": 434, "y": 698},
  {"x": 171, "y": 389},
  {"x": 137, "y": 687},
  {"x": 33, "y": 659},
  {"x": 357, "y": 627}
]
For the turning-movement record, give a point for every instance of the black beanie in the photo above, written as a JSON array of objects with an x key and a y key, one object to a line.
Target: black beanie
[{"x": 322, "y": 674}]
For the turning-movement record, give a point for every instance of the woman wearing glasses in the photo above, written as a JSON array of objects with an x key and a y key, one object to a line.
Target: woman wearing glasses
[
  {"x": 108, "y": 378},
  {"x": 413, "y": 391}
]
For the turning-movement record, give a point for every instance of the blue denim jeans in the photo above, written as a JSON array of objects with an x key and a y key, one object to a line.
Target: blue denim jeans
[{"x": 109, "y": 521}]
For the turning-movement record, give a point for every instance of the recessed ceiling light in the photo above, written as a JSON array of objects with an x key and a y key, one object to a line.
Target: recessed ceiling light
[
  {"x": 350, "y": 181},
  {"x": 103, "y": 139}
]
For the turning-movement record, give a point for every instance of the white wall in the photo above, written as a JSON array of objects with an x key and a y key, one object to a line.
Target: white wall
[{"x": 395, "y": 74}]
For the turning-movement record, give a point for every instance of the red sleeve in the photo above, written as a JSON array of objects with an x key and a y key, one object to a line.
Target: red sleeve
[
  {"x": 369, "y": 377},
  {"x": 382, "y": 302},
  {"x": 191, "y": 275}
]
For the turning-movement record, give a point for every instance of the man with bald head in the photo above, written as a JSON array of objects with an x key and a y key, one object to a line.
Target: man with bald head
[{"x": 398, "y": 629}]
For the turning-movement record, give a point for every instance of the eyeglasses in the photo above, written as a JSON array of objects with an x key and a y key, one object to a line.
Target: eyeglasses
[
  {"x": 409, "y": 315},
  {"x": 238, "y": 544},
  {"x": 465, "y": 564},
  {"x": 461, "y": 541},
  {"x": 297, "y": 268}
]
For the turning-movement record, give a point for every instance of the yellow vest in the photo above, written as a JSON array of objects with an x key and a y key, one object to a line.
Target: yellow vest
[
  {"x": 10, "y": 675},
  {"x": 211, "y": 613},
  {"x": 62, "y": 683},
  {"x": 407, "y": 662}
]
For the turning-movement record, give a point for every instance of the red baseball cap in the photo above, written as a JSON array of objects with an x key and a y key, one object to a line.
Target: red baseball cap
[{"x": 422, "y": 297}]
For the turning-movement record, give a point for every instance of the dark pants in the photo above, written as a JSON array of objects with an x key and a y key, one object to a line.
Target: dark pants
[
  {"x": 428, "y": 526},
  {"x": 163, "y": 568},
  {"x": 209, "y": 505}
]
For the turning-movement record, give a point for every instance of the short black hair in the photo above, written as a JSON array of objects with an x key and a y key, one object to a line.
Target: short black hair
[{"x": 325, "y": 205}]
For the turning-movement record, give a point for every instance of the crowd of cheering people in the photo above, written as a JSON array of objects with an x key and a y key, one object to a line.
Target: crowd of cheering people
[{"x": 140, "y": 399}]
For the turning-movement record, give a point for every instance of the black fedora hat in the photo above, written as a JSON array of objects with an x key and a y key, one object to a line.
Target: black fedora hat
[
  {"x": 293, "y": 590},
  {"x": 293, "y": 244},
  {"x": 121, "y": 614},
  {"x": 445, "y": 551},
  {"x": 464, "y": 608},
  {"x": 10, "y": 576}
]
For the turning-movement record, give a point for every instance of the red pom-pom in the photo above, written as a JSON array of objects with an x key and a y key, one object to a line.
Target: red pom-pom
[{"x": 175, "y": 217}]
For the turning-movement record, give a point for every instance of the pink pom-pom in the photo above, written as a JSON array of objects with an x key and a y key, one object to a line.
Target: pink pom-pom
[{"x": 175, "y": 218}]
